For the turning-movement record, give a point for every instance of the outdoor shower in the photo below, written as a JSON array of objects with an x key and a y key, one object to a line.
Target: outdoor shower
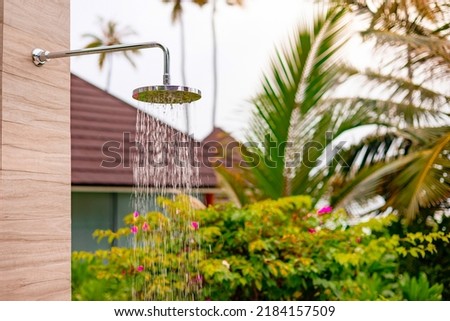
[{"x": 159, "y": 94}]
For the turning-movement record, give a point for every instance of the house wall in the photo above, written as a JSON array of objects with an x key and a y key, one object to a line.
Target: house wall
[
  {"x": 34, "y": 152},
  {"x": 97, "y": 210},
  {"x": 104, "y": 211}
]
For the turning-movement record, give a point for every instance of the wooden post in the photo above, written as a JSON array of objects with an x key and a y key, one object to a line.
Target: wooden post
[{"x": 34, "y": 152}]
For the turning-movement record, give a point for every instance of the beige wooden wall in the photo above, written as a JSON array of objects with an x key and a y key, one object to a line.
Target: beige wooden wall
[{"x": 34, "y": 152}]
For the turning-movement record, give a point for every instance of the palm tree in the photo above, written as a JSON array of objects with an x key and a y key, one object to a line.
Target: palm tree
[
  {"x": 290, "y": 109},
  {"x": 215, "y": 66},
  {"x": 110, "y": 35},
  {"x": 405, "y": 163},
  {"x": 177, "y": 14},
  {"x": 214, "y": 55}
]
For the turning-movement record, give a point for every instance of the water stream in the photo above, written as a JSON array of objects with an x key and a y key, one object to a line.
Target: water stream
[{"x": 164, "y": 239}]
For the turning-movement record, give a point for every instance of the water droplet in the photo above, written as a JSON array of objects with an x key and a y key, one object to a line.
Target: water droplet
[{"x": 162, "y": 167}]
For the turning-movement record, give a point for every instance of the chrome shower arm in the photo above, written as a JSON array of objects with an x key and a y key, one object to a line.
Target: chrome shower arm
[{"x": 40, "y": 56}]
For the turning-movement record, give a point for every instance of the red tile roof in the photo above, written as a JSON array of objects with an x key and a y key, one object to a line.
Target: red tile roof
[
  {"x": 222, "y": 147},
  {"x": 96, "y": 119}
]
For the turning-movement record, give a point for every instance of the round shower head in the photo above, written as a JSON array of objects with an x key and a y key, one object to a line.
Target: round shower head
[{"x": 167, "y": 94}]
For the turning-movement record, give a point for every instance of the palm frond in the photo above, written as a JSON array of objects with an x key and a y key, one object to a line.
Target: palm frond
[
  {"x": 397, "y": 88},
  {"x": 177, "y": 11},
  {"x": 320, "y": 132},
  {"x": 417, "y": 180},
  {"x": 301, "y": 74},
  {"x": 111, "y": 35},
  {"x": 94, "y": 37},
  {"x": 391, "y": 15},
  {"x": 235, "y": 185},
  {"x": 428, "y": 53},
  {"x": 101, "y": 60},
  {"x": 388, "y": 113},
  {"x": 130, "y": 60},
  {"x": 424, "y": 182},
  {"x": 297, "y": 123}
]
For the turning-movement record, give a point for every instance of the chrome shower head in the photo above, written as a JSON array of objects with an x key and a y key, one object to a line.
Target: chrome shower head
[
  {"x": 164, "y": 94},
  {"x": 167, "y": 94}
]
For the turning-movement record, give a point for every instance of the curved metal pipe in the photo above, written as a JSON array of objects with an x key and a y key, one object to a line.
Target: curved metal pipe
[{"x": 41, "y": 56}]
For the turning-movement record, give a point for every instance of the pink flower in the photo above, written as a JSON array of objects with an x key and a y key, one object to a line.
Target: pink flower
[
  {"x": 324, "y": 210},
  {"x": 195, "y": 225},
  {"x": 145, "y": 226},
  {"x": 136, "y": 214},
  {"x": 197, "y": 279},
  {"x": 312, "y": 230},
  {"x": 134, "y": 229},
  {"x": 140, "y": 268}
]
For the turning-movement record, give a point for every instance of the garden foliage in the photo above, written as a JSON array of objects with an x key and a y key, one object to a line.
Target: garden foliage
[{"x": 270, "y": 250}]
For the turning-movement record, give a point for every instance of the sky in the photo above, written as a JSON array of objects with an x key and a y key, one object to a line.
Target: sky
[{"x": 246, "y": 39}]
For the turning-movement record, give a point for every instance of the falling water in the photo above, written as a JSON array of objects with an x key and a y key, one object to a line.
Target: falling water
[{"x": 165, "y": 248}]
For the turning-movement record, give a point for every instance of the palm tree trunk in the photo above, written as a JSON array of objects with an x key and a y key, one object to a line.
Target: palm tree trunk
[
  {"x": 214, "y": 39},
  {"x": 183, "y": 68},
  {"x": 108, "y": 77}
]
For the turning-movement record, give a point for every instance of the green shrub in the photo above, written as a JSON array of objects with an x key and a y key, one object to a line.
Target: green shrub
[
  {"x": 271, "y": 250},
  {"x": 419, "y": 289},
  {"x": 436, "y": 265}
]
